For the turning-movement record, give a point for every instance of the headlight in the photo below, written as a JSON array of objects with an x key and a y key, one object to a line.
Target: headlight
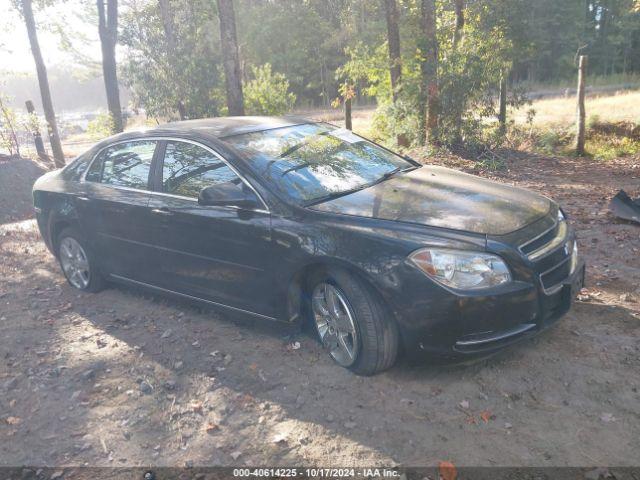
[{"x": 460, "y": 269}]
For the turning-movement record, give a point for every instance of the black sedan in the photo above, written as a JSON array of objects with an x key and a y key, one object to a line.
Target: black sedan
[{"x": 292, "y": 220}]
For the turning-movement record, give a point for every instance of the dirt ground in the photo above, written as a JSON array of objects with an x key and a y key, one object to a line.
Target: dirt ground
[
  {"x": 16, "y": 180},
  {"x": 124, "y": 378}
]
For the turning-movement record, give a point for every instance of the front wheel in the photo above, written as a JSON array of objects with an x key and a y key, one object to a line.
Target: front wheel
[
  {"x": 77, "y": 262},
  {"x": 352, "y": 323}
]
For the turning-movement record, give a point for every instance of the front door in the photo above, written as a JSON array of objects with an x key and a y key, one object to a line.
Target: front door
[{"x": 220, "y": 254}]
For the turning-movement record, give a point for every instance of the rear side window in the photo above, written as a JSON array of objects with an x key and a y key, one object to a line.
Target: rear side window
[
  {"x": 124, "y": 165},
  {"x": 189, "y": 168},
  {"x": 77, "y": 167}
]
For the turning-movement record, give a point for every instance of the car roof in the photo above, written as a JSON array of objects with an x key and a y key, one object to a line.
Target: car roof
[
  {"x": 227, "y": 126},
  {"x": 213, "y": 129}
]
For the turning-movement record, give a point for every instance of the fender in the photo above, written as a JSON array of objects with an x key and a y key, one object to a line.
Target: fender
[{"x": 61, "y": 214}]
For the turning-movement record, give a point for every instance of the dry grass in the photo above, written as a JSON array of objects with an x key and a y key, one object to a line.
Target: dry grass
[
  {"x": 562, "y": 111},
  {"x": 554, "y": 114}
]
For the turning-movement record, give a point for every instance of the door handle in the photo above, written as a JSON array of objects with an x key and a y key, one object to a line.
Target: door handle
[{"x": 162, "y": 211}]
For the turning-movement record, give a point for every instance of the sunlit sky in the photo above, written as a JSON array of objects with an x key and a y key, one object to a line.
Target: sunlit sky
[{"x": 15, "y": 52}]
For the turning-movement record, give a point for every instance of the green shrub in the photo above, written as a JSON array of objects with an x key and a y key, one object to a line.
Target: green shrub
[
  {"x": 549, "y": 141},
  {"x": 608, "y": 147},
  {"x": 8, "y": 124},
  {"x": 100, "y": 127},
  {"x": 593, "y": 121},
  {"x": 267, "y": 93}
]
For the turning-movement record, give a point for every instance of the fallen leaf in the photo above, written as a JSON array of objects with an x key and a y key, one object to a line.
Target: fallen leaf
[
  {"x": 211, "y": 427},
  {"x": 485, "y": 416},
  {"x": 253, "y": 366},
  {"x": 464, "y": 404},
  {"x": 447, "y": 471},
  {"x": 14, "y": 420},
  {"x": 196, "y": 407}
]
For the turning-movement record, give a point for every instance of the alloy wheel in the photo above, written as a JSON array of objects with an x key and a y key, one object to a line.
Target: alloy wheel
[
  {"x": 74, "y": 262},
  {"x": 335, "y": 323}
]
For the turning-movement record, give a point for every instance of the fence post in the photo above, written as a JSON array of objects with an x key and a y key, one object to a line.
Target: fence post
[
  {"x": 37, "y": 138},
  {"x": 580, "y": 137},
  {"x": 502, "y": 113},
  {"x": 347, "y": 113}
]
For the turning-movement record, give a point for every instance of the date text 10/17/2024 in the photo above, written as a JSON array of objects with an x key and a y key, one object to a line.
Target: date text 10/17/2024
[{"x": 317, "y": 472}]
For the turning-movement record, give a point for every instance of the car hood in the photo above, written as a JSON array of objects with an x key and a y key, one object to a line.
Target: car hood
[{"x": 441, "y": 197}]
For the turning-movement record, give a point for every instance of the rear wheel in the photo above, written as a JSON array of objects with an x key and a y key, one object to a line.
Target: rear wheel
[
  {"x": 352, "y": 323},
  {"x": 77, "y": 261}
]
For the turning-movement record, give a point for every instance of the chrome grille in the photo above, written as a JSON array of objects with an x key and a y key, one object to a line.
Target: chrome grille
[
  {"x": 553, "y": 277},
  {"x": 551, "y": 253},
  {"x": 540, "y": 240},
  {"x": 547, "y": 242}
]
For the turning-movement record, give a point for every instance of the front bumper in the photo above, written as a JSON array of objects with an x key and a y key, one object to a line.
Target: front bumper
[
  {"x": 474, "y": 326},
  {"x": 552, "y": 308}
]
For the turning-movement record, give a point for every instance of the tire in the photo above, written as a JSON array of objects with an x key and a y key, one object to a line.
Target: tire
[
  {"x": 377, "y": 338},
  {"x": 89, "y": 281}
]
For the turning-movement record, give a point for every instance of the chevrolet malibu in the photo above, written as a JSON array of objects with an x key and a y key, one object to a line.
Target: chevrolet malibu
[{"x": 297, "y": 221}]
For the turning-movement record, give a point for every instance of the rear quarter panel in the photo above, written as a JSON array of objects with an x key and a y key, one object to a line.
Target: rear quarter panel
[{"x": 53, "y": 199}]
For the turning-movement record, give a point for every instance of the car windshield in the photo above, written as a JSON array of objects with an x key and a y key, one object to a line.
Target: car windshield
[{"x": 313, "y": 162}]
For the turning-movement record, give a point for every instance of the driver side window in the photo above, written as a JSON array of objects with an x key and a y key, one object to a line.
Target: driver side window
[{"x": 189, "y": 168}]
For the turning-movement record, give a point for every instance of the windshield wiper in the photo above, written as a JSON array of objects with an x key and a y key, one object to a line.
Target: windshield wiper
[
  {"x": 334, "y": 195},
  {"x": 388, "y": 175}
]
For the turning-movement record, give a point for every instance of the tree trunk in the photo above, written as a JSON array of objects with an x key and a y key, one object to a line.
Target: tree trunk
[
  {"x": 458, "y": 37},
  {"x": 168, "y": 25},
  {"x": 43, "y": 81},
  {"x": 229, "y": 43},
  {"x": 108, "y": 30},
  {"x": 395, "y": 60},
  {"x": 459, "y": 30},
  {"x": 429, "y": 72},
  {"x": 393, "y": 37},
  {"x": 166, "y": 15},
  {"x": 502, "y": 113},
  {"x": 182, "y": 111},
  {"x": 580, "y": 137}
]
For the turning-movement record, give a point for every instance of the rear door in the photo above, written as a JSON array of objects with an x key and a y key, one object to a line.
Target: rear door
[
  {"x": 115, "y": 209},
  {"x": 217, "y": 253}
]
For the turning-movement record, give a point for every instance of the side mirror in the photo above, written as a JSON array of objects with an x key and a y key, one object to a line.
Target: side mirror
[{"x": 227, "y": 195}]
